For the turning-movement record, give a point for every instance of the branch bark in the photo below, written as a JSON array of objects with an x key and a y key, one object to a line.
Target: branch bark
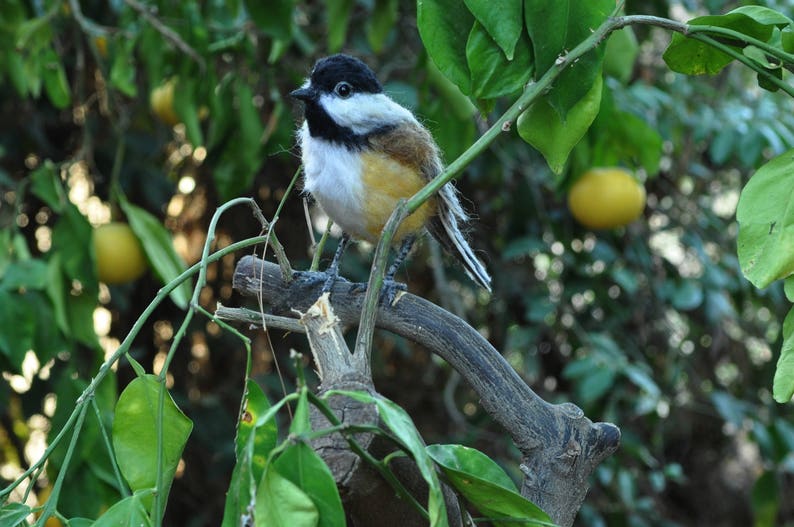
[{"x": 560, "y": 446}]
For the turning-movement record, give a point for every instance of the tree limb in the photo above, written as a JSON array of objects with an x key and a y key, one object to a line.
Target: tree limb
[{"x": 560, "y": 446}]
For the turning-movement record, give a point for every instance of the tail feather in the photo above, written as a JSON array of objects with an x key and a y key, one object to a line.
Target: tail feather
[{"x": 444, "y": 228}]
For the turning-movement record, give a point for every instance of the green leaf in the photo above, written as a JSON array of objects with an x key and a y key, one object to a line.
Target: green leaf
[
  {"x": 787, "y": 40},
  {"x": 492, "y": 75},
  {"x": 80, "y": 522},
  {"x": 46, "y": 185},
  {"x": 135, "y": 435},
  {"x": 621, "y": 138},
  {"x": 765, "y": 499},
  {"x": 470, "y": 461},
  {"x": 273, "y": 18},
  {"x": 56, "y": 291},
  {"x": 686, "y": 294},
  {"x": 186, "y": 108},
  {"x": 766, "y": 222},
  {"x": 255, "y": 439},
  {"x": 380, "y": 23},
  {"x": 17, "y": 327},
  {"x": 485, "y": 485},
  {"x": 127, "y": 512},
  {"x": 26, "y": 275},
  {"x": 242, "y": 157},
  {"x": 302, "y": 466},
  {"x": 764, "y": 15},
  {"x": 542, "y": 126},
  {"x": 47, "y": 340},
  {"x": 554, "y": 29},
  {"x": 123, "y": 68},
  {"x": 444, "y": 27},
  {"x": 399, "y": 422},
  {"x": 502, "y": 20},
  {"x": 338, "y": 13},
  {"x": 80, "y": 313},
  {"x": 300, "y": 420},
  {"x": 13, "y": 514},
  {"x": 620, "y": 54},
  {"x": 783, "y": 384},
  {"x": 159, "y": 249},
  {"x": 788, "y": 288},
  {"x": 281, "y": 502},
  {"x": 693, "y": 57},
  {"x": 56, "y": 85},
  {"x": 265, "y": 431},
  {"x": 71, "y": 236}
]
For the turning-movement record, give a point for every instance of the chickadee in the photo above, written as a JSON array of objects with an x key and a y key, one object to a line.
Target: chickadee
[{"x": 362, "y": 152}]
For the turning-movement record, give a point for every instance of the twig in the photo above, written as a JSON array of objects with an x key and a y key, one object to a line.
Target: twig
[
  {"x": 255, "y": 318},
  {"x": 88, "y": 25},
  {"x": 167, "y": 32}
]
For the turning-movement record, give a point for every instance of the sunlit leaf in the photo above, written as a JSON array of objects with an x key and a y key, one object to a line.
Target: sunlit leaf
[
  {"x": 485, "y": 485},
  {"x": 135, "y": 440},
  {"x": 686, "y": 55},
  {"x": 766, "y": 222},
  {"x": 783, "y": 384}
]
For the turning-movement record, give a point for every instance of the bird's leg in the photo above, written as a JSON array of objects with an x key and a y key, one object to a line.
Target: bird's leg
[
  {"x": 390, "y": 287},
  {"x": 332, "y": 273},
  {"x": 402, "y": 253}
]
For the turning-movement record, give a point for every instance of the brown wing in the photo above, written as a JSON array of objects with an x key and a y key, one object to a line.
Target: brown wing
[{"x": 410, "y": 144}]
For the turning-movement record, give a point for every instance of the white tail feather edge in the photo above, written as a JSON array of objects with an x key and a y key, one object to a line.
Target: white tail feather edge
[{"x": 450, "y": 211}]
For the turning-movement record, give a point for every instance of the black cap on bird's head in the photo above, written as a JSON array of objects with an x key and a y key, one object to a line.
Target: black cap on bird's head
[{"x": 340, "y": 74}]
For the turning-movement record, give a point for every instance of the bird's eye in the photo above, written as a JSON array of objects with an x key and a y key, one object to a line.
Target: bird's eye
[{"x": 343, "y": 89}]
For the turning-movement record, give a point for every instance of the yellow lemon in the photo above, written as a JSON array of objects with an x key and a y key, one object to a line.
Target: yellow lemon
[
  {"x": 119, "y": 255},
  {"x": 605, "y": 198},
  {"x": 161, "y": 101}
]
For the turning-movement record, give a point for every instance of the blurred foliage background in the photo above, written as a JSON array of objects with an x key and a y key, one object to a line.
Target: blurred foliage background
[{"x": 651, "y": 327}]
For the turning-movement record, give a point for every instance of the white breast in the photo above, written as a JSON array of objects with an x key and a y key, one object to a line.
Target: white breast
[{"x": 332, "y": 174}]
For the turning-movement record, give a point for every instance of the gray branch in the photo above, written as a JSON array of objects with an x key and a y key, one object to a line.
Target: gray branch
[{"x": 560, "y": 446}]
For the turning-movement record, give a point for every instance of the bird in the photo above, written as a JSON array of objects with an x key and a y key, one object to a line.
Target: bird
[{"x": 362, "y": 152}]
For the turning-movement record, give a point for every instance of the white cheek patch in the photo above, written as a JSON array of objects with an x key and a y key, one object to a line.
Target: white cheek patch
[{"x": 364, "y": 112}]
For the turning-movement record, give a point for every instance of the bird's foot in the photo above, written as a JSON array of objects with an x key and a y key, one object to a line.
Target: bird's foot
[{"x": 390, "y": 290}]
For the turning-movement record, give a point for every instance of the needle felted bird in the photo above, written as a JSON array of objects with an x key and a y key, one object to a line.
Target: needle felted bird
[{"x": 362, "y": 152}]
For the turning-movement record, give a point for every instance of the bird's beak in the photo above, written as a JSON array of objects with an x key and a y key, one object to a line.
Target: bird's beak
[{"x": 304, "y": 93}]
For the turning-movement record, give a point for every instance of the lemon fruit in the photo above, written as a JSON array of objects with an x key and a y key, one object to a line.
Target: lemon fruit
[
  {"x": 119, "y": 255},
  {"x": 161, "y": 101},
  {"x": 606, "y": 198}
]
